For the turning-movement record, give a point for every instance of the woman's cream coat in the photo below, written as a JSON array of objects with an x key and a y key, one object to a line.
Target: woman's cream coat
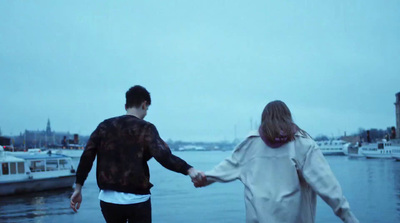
[{"x": 281, "y": 184}]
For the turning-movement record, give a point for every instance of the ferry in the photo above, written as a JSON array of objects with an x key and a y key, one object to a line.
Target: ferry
[
  {"x": 191, "y": 148},
  {"x": 381, "y": 150},
  {"x": 396, "y": 152},
  {"x": 72, "y": 150},
  {"x": 355, "y": 151},
  {"x": 32, "y": 172},
  {"x": 333, "y": 147},
  {"x": 29, "y": 151},
  {"x": 73, "y": 153}
]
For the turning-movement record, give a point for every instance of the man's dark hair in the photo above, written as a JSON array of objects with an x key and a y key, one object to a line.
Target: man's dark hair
[{"x": 136, "y": 95}]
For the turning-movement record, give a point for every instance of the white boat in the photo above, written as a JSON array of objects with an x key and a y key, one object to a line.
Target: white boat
[
  {"x": 31, "y": 172},
  {"x": 72, "y": 150},
  {"x": 333, "y": 147},
  {"x": 191, "y": 148},
  {"x": 382, "y": 150},
  {"x": 29, "y": 151},
  {"x": 73, "y": 153},
  {"x": 396, "y": 152},
  {"x": 355, "y": 151}
]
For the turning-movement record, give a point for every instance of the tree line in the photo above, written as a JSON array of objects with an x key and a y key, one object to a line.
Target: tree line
[{"x": 375, "y": 135}]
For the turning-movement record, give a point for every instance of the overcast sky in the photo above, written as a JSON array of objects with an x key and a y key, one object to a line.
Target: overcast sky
[{"x": 210, "y": 66}]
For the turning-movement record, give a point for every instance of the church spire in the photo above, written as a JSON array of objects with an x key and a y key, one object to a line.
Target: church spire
[{"x": 48, "y": 128}]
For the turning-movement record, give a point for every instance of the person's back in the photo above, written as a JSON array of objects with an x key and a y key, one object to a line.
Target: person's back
[
  {"x": 282, "y": 169},
  {"x": 273, "y": 190},
  {"x": 123, "y": 153},
  {"x": 123, "y": 145},
  {"x": 279, "y": 182}
]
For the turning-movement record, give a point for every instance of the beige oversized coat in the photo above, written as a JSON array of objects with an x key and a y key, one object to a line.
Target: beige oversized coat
[{"x": 281, "y": 184}]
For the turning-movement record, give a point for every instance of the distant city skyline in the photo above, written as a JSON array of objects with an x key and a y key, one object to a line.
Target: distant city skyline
[
  {"x": 253, "y": 124},
  {"x": 210, "y": 66}
]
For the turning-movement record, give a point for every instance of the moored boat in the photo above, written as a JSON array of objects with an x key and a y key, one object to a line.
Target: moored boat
[
  {"x": 29, "y": 151},
  {"x": 333, "y": 147},
  {"x": 355, "y": 151},
  {"x": 381, "y": 150},
  {"x": 32, "y": 172},
  {"x": 396, "y": 152},
  {"x": 70, "y": 152},
  {"x": 73, "y": 153}
]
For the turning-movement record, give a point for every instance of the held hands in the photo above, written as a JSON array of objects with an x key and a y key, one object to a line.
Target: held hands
[{"x": 198, "y": 177}]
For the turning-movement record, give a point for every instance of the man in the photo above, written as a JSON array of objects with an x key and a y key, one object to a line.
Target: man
[
  {"x": 393, "y": 133},
  {"x": 368, "y": 137},
  {"x": 64, "y": 142},
  {"x": 123, "y": 145}
]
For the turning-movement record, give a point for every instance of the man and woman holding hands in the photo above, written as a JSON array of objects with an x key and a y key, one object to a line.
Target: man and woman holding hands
[{"x": 280, "y": 166}]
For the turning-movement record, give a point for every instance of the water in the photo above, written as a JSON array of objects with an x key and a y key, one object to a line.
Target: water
[{"x": 371, "y": 186}]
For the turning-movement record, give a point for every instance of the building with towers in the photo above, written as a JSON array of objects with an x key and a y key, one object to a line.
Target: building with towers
[{"x": 43, "y": 138}]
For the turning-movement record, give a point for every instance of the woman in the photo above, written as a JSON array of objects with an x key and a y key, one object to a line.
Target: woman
[{"x": 282, "y": 170}]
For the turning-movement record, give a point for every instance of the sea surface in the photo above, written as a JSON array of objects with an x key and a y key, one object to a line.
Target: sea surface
[{"x": 372, "y": 187}]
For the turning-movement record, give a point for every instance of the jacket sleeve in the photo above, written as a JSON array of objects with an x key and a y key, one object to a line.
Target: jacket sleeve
[
  {"x": 229, "y": 169},
  {"x": 162, "y": 153},
  {"x": 318, "y": 175},
  {"x": 88, "y": 156}
]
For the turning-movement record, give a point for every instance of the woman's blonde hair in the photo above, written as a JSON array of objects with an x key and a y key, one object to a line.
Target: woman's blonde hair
[{"x": 277, "y": 122}]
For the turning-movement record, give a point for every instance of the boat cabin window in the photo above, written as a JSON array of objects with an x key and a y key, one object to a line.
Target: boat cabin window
[
  {"x": 64, "y": 164},
  {"x": 36, "y": 165},
  {"x": 21, "y": 167},
  {"x": 13, "y": 168},
  {"x": 51, "y": 165},
  {"x": 4, "y": 169},
  {"x": 380, "y": 146}
]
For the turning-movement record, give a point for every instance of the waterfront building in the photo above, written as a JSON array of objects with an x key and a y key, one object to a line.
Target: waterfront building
[{"x": 43, "y": 138}]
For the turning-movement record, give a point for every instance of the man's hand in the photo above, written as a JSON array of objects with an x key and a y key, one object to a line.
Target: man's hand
[
  {"x": 76, "y": 198},
  {"x": 198, "y": 177}
]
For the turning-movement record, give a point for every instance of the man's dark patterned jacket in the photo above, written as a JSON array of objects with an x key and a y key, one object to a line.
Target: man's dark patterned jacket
[{"x": 123, "y": 146}]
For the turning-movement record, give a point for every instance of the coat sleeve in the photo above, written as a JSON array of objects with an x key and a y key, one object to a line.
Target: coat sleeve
[
  {"x": 88, "y": 156},
  {"x": 318, "y": 175},
  {"x": 162, "y": 153},
  {"x": 229, "y": 169}
]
